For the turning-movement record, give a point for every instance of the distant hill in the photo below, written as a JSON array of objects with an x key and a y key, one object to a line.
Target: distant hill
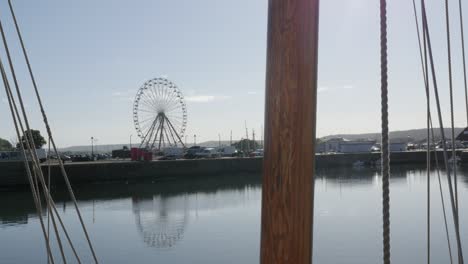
[
  {"x": 412, "y": 135},
  {"x": 97, "y": 148},
  {"x": 110, "y": 147}
]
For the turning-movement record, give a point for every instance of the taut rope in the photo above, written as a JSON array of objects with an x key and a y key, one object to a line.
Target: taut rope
[
  {"x": 444, "y": 144},
  {"x": 385, "y": 141}
]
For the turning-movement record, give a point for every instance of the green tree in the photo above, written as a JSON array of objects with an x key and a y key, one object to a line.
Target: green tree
[
  {"x": 246, "y": 145},
  {"x": 39, "y": 140},
  {"x": 5, "y": 145}
]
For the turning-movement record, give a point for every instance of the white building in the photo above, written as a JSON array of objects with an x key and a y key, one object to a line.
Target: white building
[
  {"x": 332, "y": 145},
  {"x": 356, "y": 146},
  {"x": 395, "y": 147}
]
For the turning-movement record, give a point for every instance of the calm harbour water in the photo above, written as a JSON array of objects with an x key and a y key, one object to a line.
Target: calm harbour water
[{"x": 217, "y": 220}]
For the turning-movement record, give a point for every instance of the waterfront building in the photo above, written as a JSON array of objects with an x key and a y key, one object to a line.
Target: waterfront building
[
  {"x": 356, "y": 146},
  {"x": 398, "y": 146},
  {"x": 342, "y": 145},
  {"x": 332, "y": 144}
]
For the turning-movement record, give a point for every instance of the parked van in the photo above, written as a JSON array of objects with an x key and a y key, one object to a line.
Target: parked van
[
  {"x": 192, "y": 151},
  {"x": 207, "y": 153},
  {"x": 174, "y": 151},
  {"x": 227, "y": 151},
  {"x": 18, "y": 156}
]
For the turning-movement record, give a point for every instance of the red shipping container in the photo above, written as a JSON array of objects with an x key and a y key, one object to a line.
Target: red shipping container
[
  {"x": 134, "y": 154},
  {"x": 149, "y": 156},
  {"x": 141, "y": 154}
]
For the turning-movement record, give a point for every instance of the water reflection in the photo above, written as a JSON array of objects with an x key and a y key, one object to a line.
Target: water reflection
[
  {"x": 163, "y": 211},
  {"x": 15, "y": 208},
  {"x": 158, "y": 204},
  {"x": 160, "y": 226},
  {"x": 173, "y": 220}
]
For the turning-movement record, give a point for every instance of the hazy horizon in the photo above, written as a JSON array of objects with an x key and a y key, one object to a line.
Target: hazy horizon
[{"x": 259, "y": 139}]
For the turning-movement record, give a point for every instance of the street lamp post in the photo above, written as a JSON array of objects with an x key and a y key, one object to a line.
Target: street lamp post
[
  {"x": 92, "y": 147},
  {"x": 131, "y": 141},
  {"x": 93, "y": 140},
  {"x": 194, "y": 140}
]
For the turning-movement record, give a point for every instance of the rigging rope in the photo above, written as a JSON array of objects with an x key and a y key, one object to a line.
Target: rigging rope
[
  {"x": 441, "y": 196},
  {"x": 35, "y": 167},
  {"x": 428, "y": 105},
  {"x": 462, "y": 36},
  {"x": 444, "y": 144},
  {"x": 30, "y": 141},
  {"x": 14, "y": 114},
  {"x": 385, "y": 140},
  {"x": 428, "y": 168},
  {"x": 449, "y": 56},
  {"x": 425, "y": 72},
  {"x": 34, "y": 186},
  {"x": 49, "y": 211},
  {"x": 49, "y": 132}
]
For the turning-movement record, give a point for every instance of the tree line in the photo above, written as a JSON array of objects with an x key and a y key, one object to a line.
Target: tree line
[{"x": 39, "y": 141}]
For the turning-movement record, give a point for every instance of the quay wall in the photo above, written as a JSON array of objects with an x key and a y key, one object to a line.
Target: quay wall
[
  {"x": 14, "y": 173},
  {"x": 403, "y": 157}
]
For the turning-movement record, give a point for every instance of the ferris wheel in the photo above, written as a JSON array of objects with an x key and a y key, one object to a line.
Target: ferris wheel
[{"x": 160, "y": 114}]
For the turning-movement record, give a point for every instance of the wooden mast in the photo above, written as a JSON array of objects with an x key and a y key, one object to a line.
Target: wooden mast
[{"x": 290, "y": 118}]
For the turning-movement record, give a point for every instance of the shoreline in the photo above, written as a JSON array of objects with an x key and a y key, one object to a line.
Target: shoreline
[{"x": 14, "y": 173}]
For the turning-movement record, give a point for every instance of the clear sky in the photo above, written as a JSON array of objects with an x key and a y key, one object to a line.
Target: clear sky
[{"x": 90, "y": 57}]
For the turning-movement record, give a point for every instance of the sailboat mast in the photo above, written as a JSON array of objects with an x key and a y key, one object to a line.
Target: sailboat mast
[{"x": 288, "y": 169}]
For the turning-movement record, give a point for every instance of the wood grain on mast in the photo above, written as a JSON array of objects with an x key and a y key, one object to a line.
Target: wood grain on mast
[{"x": 290, "y": 119}]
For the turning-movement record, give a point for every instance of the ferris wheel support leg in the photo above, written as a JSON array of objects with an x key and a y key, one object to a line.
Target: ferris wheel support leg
[
  {"x": 158, "y": 130},
  {"x": 178, "y": 137},
  {"x": 167, "y": 137},
  {"x": 171, "y": 133},
  {"x": 161, "y": 138},
  {"x": 149, "y": 133}
]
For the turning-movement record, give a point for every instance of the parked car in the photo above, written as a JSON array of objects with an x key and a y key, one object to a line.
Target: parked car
[
  {"x": 81, "y": 158},
  {"x": 102, "y": 156},
  {"x": 257, "y": 153},
  {"x": 62, "y": 157},
  {"x": 207, "y": 153},
  {"x": 168, "y": 157},
  {"x": 192, "y": 151}
]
